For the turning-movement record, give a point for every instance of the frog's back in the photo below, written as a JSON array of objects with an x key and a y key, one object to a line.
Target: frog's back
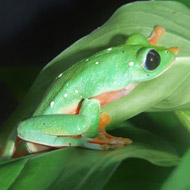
[{"x": 102, "y": 72}]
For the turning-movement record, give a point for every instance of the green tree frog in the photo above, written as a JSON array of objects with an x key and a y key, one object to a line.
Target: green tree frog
[{"x": 70, "y": 113}]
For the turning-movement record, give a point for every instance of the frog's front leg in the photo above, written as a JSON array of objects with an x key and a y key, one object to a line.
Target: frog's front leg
[{"x": 105, "y": 138}]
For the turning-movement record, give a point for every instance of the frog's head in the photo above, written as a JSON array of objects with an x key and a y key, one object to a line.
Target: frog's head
[{"x": 150, "y": 61}]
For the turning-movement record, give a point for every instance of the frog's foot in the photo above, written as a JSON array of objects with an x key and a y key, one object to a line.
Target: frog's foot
[
  {"x": 112, "y": 143},
  {"x": 106, "y": 139},
  {"x": 174, "y": 49},
  {"x": 156, "y": 34}
]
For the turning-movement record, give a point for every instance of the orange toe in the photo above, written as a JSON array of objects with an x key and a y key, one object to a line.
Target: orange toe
[{"x": 156, "y": 34}]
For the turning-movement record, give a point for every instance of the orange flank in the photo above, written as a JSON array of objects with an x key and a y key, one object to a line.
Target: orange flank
[
  {"x": 108, "y": 97},
  {"x": 103, "y": 98}
]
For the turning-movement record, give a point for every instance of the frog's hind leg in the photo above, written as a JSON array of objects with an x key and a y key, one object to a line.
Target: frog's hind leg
[
  {"x": 105, "y": 138},
  {"x": 52, "y": 142}
]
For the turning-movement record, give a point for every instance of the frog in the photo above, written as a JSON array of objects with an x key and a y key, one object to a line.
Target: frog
[{"x": 70, "y": 113}]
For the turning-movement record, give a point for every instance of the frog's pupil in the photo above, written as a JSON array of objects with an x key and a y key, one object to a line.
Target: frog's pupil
[{"x": 152, "y": 60}]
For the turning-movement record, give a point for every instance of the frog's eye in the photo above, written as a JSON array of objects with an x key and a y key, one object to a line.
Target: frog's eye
[{"x": 152, "y": 60}]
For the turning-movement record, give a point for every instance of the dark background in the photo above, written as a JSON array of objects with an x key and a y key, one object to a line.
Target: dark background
[{"x": 34, "y": 32}]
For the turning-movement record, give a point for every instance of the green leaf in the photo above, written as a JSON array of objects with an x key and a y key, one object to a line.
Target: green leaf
[
  {"x": 75, "y": 168},
  {"x": 180, "y": 177},
  {"x": 165, "y": 125},
  {"x": 9, "y": 173},
  {"x": 135, "y": 174},
  {"x": 184, "y": 117},
  {"x": 185, "y": 2}
]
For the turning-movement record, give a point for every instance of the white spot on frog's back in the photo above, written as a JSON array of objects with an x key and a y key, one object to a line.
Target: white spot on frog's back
[
  {"x": 76, "y": 91},
  {"x": 86, "y": 59},
  {"x": 65, "y": 95},
  {"x": 51, "y": 104},
  {"x": 131, "y": 63},
  {"x": 97, "y": 63},
  {"x": 109, "y": 49}
]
